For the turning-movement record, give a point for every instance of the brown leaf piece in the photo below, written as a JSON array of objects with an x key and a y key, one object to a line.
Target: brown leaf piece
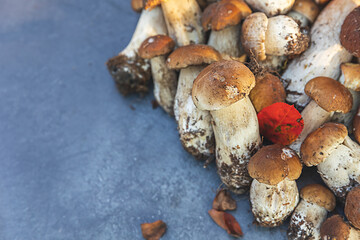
[
  {"x": 223, "y": 201},
  {"x": 227, "y": 222},
  {"x": 153, "y": 231}
]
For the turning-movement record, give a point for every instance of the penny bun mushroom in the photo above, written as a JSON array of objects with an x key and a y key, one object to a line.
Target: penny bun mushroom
[
  {"x": 350, "y": 32},
  {"x": 272, "y": 7},
  {"x": 352, "y": 207},
  {"x": 356, "y": 126},
  {"x": 334, "y": 228}
]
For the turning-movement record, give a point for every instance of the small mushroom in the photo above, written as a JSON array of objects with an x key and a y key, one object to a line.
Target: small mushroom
[
  {"x": 316, "y": 202},
  {"x": 272, "y": 7},
  {"x": 334, "y": 228},
  {"x": 352, "y": 207},
  {"x": 273, "y": 193},
  {"x": 350, "y": 32},
  {"x": 222, "y": 88},
  {"x": 305, "y": 12}
]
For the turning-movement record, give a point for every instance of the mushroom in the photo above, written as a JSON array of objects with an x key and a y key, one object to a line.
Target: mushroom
[
  {"x": 165, "y": 80},
  {"x": 305, "y": 12},
  {"x": 271, "y": 7},
  {"x": 336, "y": 156},
  {"x": 137, "y": 5},
  {"x": 334, "y": 228},
  {"x": 356, "y": 126},
  {"x": 350, "y": 33},
  {"x": 273, "y": 193},
  {"x": 321, "y": 2},
  {"x": 324, "y": 56},
  {"x": 196, "y": 133},
  {"x": 352, "y": 207},
  {"x": 222, "y": 89},
  {"x": 130, "y": 72},
  {"x": 316, "y": 202},
  {"x": 328, "y": 96},
  {"x": 223, "y": 19}
]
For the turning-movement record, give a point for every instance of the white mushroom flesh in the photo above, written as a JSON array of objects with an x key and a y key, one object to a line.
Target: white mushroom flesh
[
  {"x": 226, "y": 42},
  {"x": 272, "y": 7}
]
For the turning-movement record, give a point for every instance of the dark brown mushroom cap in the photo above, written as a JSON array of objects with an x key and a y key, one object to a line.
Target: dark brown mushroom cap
[
  {"x": 156, "y": 46},
  {"x": 350, "y": 32},
  {"x": 307, "y": 8},
  {"x": 137, "y": 5},
  {"x": 356, "y": 126},
  {"x": 273, "y": 163},
  {"x": 320, "y": 195},
  {"x": 225, "y": 13},
  {"x": 221, "y": 84},
  {"x": 329, "y": 94},
  {"x": 352, "y": 207},
  {"x": 319, "y": 144},
  {"x": 335, "y": 228},
  {"x": 150, "y": 4}
]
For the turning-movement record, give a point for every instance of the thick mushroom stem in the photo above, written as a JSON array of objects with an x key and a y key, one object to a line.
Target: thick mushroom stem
[
  {"x": 236, "y": 141},
  {"x": 272, "y": 204},
  {"x": 325, "y": 54},
  {"x": 130, "y": 72},
  {"x": 227, "y": 42}
]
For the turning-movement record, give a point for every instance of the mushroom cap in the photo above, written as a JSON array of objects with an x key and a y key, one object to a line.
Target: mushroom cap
[
  {"x": 352, "y": 207},
  {"x": 319, "y": 144},
  {"x": 307, "y": 8},
  {"x": 335, "y": 228},
  {"x": 150, "y": 4},
  {"x": 273, "y": 163},
  {"x": 329, "y": 94},
  {"x": 351, "y": 76},
  {"x": 253, "y": 35},
  {"x": 321, "y": 1},
  {"x": 221, "y": 84},
  {"x": 268, "y": 90},
  {"x": 190, "y": 55},
  {"x": 137, "y": 5},
  {"x": 225, "y": 13},
  {"x": 356, "y": 126},
  {"x": 156, "y": 46},
  {"x": 272, "y": 7},
  {"x": 350, "y": 32},
  {"x": 320, "y": 195}
]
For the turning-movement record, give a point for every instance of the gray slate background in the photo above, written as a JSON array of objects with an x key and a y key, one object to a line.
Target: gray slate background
[{"x": 76, "y": 161}]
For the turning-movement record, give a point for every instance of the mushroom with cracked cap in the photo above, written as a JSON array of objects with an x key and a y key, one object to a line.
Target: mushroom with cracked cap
[{"x": 334, "y": 228}]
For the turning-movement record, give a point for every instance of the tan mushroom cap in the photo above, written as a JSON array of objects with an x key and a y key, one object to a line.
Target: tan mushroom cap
[
  {"x": 320, "y": 195},
  {"x": 221, "y": 84},
  {"x": 268, "y": 90},
  {"x": 335, "y": 228},
  {"x": 137, "y": 5},
  {"x": 319, "y": 144},
  {"x": 225, "y": 13},
  {"x": 273, "y": 163},
  {"x": 352, "y": 207},
  {"x": 307, "y": 8},
  {"x": 356, "y": 126},
  {"x": 150, "y": 4},
  {"x": 329, "y": 94},
  {"x": 156, "y": 46},
  {"x": 351, "y": 72},
  {"x": 195, "y": 54},
  {"x": 350, "y": 32}
]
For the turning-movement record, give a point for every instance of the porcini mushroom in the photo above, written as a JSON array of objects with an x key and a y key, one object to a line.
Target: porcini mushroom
[
  {"x": 165, "y": 80},
  {"x": 334, "y": 228},
  {"x": 316, "y": 202},
  {"x": 196, "y": 133},
  {"x": 352, "y": 207},
  {"x": 335, "y": 155},
  {"x": 130, "y": 72},
  {"x": 304, "y": 11},
  {"x": 328, "y": 96},
  {"x": 222, "y": 88},
  {"x": 273, "y": 193},
  {"x": 272, "y": 7},
  {"x": 356, "y": 126},
  {"x": 350, "y": 32}
]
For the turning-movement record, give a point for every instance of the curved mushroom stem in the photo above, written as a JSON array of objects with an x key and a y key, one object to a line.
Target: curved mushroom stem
[
  {"x": 236, "y": 141},
  {"x": 196, "y": 133},
  {"x": 130, "y": 72},
  {"x": 271, "y": 205},
  {"x": 306, "y": 221},
  {"x": 227, "y": 42},
  {"x": 314, "y": 116}
]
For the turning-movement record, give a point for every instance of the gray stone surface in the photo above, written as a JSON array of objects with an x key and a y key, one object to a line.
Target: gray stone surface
[{"x": 76, "y": 161}]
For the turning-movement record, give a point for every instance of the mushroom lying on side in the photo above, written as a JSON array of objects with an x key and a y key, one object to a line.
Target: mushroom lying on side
[
  {"x": 335, "y": 155},
  {"x": 273, "y": 193},
  {"x": 272, "y": 7},
  {"x": 305, "y": 12},
  {"x": 352, "y": 207},
  {"x": 334, "y": 228},
  {"x": 222, "y": 89},
  {"x": 311, "y": 212}
]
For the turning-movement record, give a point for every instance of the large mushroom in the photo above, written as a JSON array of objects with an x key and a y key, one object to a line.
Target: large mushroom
[
  {"x": 273, "y": 193},
  {"x": 334, "y": 228},
  {"x": 222, "y": 88},
  {"x": 352, "y": 207},
  {"x": 272, "y": 7}
]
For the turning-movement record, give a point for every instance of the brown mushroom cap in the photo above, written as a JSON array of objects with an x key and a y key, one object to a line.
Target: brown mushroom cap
[
  {"x": 356, "y": 126},
  {"x": 156, "y": 46},
  {"x": 307, "y": 8},
  {"x": 351, "y": 72},
  {"x": 225, "y": 13},
  {"x": 268, "y": 90},
  {"x": 137, "y": 5},
  {"x": 221, "y": 84},
  {"x": 150, "y": 4},
  {"x": 352, "y": 207},
  {"x": 195, "y": 54},
  {"x": 320, "y": 195},
  {"x": 273, "y": 163},
  {"x": 329, "y": 94},
  {"x": 321, "y": 1},
  {"x": 319, "y": 144},
  {"x": 335, "y": 228},
  {"x": 350, "y": 32}
]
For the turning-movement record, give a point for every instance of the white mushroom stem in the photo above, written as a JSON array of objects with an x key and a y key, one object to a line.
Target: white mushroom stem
[
  {"x": 354, "y": 146},
  {"x": 306, "y": 221},
  {"x": 274, "y": 63},
  {"x": 271, "y": 7},
  {"x": 354, "y": 234},
  {"x": 196, "y": 133},
  {"x": 236, "y": 141},
  {"x": 226, "y": 41},
  {"x": 272, "y": 204},
  {"x": 183, "y": 19},
  {"x": 314, "y": 116},
  {"x": 325, "y": 54}
]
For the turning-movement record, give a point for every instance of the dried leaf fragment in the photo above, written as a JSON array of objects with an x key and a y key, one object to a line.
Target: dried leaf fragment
[
  {"x": 223, "y": 201},
  {"x": 153, "y": 231},
  {"x": 227, "y": 222}
]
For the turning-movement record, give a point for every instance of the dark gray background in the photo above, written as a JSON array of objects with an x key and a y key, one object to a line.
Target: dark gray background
[{"x": 76, "y": 161}]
